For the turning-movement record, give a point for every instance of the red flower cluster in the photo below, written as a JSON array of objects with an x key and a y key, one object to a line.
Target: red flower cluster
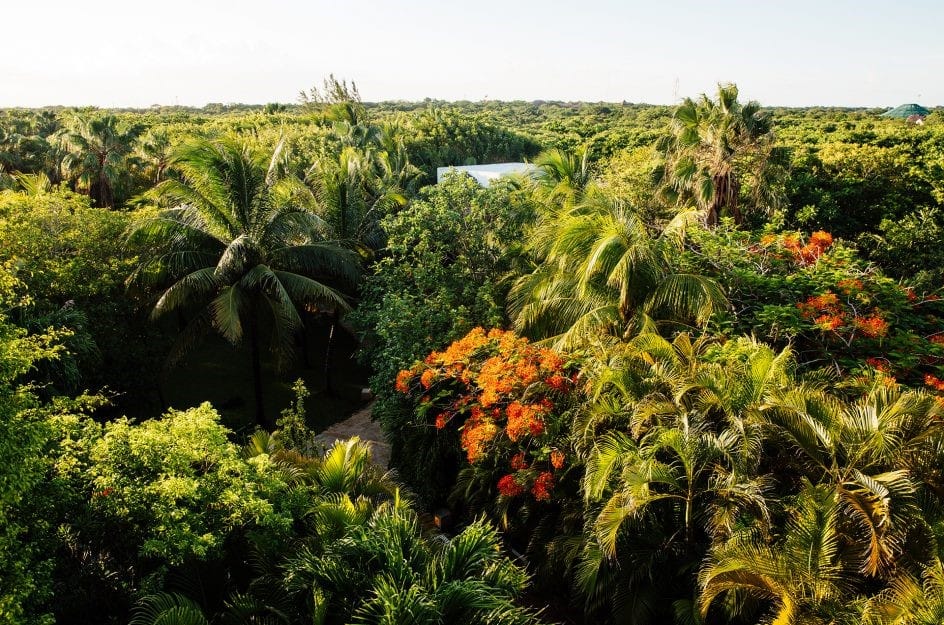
[
  {"x": 524, "y": 419},
  {"x": 519, "y": 462},
  {"x": 427, "y": 378},
  {"x": 829, "y": 314},
  {"x": 542, "y": 487},
  {"x": 557, "y": 459},
  {"x": 502, "y": 393},
  {"x": 873, "y": 327},
  {"x": 850, "y": 285},
  {"x": 403, "y": 381},
  {"x": 824, "y": 310},
  {"x": 934, "y": 382},
  {"x": 508, "y": 486},
  {"x": 476, "y": 433}
]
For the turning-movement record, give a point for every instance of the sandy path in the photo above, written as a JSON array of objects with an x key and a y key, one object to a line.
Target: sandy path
[{"x": 359, "y": 424}]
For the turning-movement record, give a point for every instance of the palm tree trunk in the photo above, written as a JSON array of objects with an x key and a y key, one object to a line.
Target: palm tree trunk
[
  {"x": 256, "y": 357},
  {"x": 301, "y": 341},
  {"x": 329, "y": 386},
  {"x": 711, "y": 215},
  {"x": 727, "y": 189},
  {"x": 735, "y": 209}
]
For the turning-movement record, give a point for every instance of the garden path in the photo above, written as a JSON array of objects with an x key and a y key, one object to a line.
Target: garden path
[{"x": 360, "y": 424}]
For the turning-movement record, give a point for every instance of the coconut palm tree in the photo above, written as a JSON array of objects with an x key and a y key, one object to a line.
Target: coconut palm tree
[
  {"x": 563, "y": 176},
  {"x": 713, "y": 149},
  {"x": 352, "y": 194},
  {"x": 601, "y": 270},
  {"x": 235, "y": 252}
]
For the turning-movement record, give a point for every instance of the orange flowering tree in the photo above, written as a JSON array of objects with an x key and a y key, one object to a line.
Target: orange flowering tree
[
  {"x": 819, "y": 295},
  {"x": 508, "y": 400}
]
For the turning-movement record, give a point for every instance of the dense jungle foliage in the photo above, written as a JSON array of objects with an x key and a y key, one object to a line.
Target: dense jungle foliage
[{"x": 690, "y": 370}]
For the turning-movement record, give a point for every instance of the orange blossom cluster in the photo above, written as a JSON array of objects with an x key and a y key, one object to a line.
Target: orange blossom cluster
[
  {"x": 830, "y": 314},
  {"x": 501, "y": 385}
]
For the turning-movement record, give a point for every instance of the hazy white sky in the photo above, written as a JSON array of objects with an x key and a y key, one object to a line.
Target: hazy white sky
[{"x": 785, "y": 52}]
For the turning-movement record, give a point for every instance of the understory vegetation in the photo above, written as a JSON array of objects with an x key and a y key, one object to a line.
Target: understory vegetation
[{"x": 689, "y": 369}]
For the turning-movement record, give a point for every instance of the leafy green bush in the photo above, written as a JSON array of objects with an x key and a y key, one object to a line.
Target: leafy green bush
[
  {"x": 24, "y": 565},
  {"x": 74, "y": 263},
  {"x": 910, "y": 247},
  {"x": 177, "y": 487},
  {"x": 441, "y": 276}
]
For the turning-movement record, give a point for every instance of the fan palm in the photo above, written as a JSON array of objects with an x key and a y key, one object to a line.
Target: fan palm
[
  {"x": 711, "y": 147},
  {"x": 237, "y": 251},
  {"x": 602, "y": 271},
  {"x": 155, "y": 150},
  {"x": 98, "y": 146}
]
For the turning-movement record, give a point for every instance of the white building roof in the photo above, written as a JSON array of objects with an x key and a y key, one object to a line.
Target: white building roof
[{"x": 485, "y": 174}]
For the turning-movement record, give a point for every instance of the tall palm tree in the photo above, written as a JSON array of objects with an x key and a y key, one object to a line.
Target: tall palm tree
[
  {"x": 236, "y": 251},
  {"x": 352, "y": 196},
  {"x": 712, "y": 149},
  {"x": 602, "y": 270},
  {"x": 97, "y": 147},
  {"x": 155, "y": 148}
]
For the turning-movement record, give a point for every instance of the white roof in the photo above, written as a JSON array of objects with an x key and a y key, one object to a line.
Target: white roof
[{"x": 485, "y": 174}]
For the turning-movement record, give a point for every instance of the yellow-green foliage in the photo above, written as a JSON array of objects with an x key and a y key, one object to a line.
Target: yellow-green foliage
[
  {"x": 180, "y": 485},
  {"x": 63, "y": 248},
  {"x": 22, "y": 436}
]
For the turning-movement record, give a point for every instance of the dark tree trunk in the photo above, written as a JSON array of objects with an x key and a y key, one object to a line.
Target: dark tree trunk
[
  {"x": 734, "y": 191},
  {"x": 329, "y": 385},
  {"x": 256, "y": 357},
  {"x": 711, "y": 215},
  {"x": 726, "y": 194},
  {"x": 301, "y": 342}
]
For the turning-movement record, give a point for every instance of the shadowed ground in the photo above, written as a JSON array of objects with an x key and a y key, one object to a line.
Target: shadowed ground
[{"x": 359, "y": 424}]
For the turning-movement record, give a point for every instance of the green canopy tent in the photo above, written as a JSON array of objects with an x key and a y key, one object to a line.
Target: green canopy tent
[{"x": 907, "y": 110}]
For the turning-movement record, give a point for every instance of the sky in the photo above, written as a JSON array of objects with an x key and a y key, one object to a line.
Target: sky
[{"x": 130, "y": 53}]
